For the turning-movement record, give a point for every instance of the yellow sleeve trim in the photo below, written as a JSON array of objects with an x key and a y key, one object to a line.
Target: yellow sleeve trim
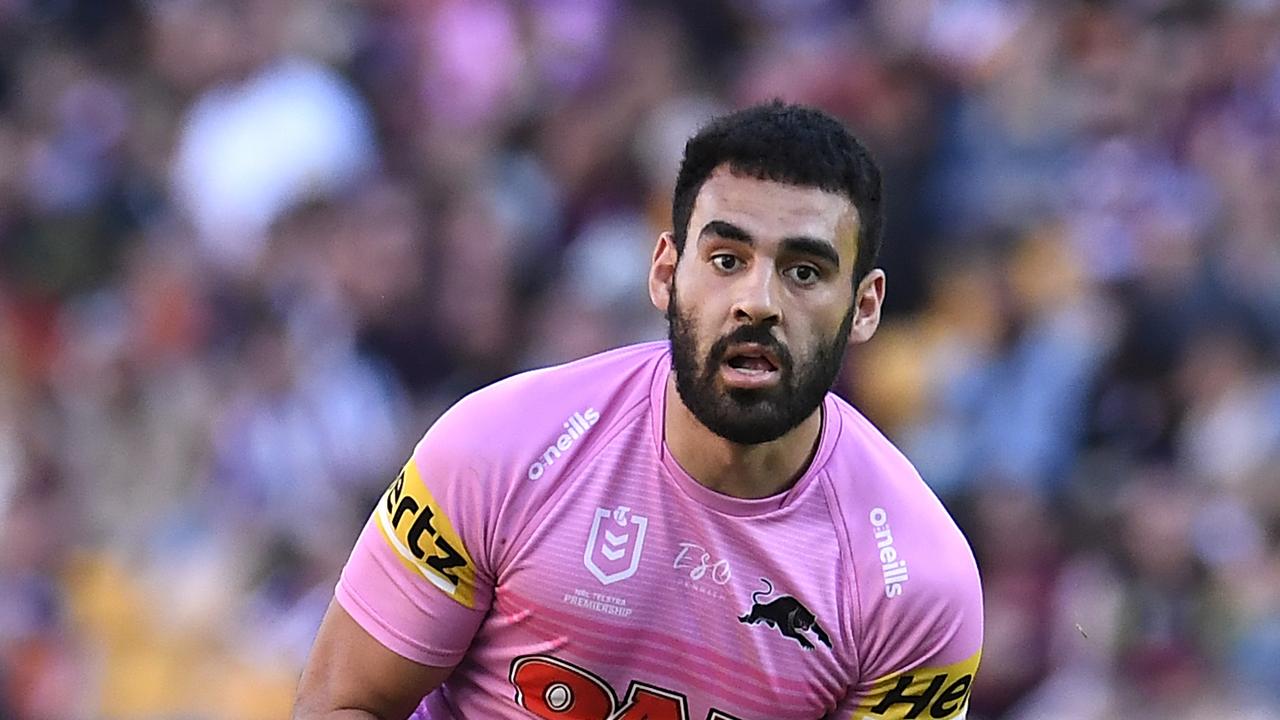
[
  {"x": 424, "y": 539},
  {"x": 940, "y": 693}
]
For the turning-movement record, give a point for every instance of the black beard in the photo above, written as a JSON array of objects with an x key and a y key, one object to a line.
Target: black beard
[{"x": 751, "y": 416}]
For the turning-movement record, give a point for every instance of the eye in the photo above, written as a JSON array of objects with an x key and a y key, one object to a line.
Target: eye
[
  {"x": 725, "y": 262},
  {"x": 804, "y": 274}
]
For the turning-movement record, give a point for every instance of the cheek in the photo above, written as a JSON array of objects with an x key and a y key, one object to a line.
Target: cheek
[
  {"x": 700, "y": 308},
  {"x": 700, "y": 335},
  {"x": 692, "y": 286},
  {"x": 834, "y": 312},
  {"x": 819, "y": 329}
]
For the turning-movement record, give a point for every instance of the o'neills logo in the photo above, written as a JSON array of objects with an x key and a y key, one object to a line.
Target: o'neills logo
[
  {"x": 575, "y": 427},
  {"x": 892, "y": 567}
]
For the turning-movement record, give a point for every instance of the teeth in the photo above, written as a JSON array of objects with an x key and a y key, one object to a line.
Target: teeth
[{"x": 752, "y": 365}]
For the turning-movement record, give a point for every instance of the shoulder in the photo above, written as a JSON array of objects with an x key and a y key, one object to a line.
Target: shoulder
[
  {"x": 510, "y": 423},
  {"x": 916, "y": 578},
  {"x": 873, "y": 480}
]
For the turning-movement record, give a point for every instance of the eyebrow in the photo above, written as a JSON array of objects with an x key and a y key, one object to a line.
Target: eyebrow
[{"x": 799, "y": 244}]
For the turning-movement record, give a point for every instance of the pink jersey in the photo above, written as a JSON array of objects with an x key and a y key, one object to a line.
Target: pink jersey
[{"x": 543, "y": 540}]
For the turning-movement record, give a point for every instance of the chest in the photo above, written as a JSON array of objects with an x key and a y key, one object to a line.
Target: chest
[{"x": 631, "y": 594}]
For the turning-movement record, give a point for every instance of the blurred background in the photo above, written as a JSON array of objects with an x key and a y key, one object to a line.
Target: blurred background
[{"x": 250, "y": 249}]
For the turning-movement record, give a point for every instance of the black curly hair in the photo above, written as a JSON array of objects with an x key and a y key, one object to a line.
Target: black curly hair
[{"x": 791, "y": 144}]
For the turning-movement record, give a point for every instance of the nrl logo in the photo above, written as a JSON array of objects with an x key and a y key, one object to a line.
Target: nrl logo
[{"x": 617, "y": 539}]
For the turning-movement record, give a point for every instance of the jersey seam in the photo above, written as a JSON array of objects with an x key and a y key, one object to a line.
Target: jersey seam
[
  {"x": 589, "y": 453},
  {"x": 846, "y": 552}
]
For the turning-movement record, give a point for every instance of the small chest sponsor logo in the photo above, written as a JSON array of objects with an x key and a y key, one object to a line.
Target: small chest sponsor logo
[
  {"x": 615, "y": 544},
  {"x": 697, "y": 570},
  {"x": 577, "y": 425},
  {"x": 893, "y": 567},
  {"x": 699, "y": 564}
]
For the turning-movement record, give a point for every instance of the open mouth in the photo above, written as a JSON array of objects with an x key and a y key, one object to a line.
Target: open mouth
[{"x": 750, "y": 365}]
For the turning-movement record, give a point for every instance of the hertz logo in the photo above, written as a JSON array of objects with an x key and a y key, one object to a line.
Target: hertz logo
[
  {"x": 414, "y": 526},
  {"x": 926, "y": 693}
]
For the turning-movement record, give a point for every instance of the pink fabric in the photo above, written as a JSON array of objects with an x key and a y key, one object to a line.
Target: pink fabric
[{"x": 528, "y": 471}]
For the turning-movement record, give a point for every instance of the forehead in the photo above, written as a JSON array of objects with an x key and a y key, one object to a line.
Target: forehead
[{"x": 770, "y": 210}]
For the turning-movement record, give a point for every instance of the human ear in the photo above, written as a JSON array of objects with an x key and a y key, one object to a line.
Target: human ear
[
  {"x": 868, "y": 300},
  {"x": 662, "y": 271}
]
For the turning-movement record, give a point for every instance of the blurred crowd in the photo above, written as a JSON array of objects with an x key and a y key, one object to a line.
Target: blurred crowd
[{"x": 250, "y": 249}]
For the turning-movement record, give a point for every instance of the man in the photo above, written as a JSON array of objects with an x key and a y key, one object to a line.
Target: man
[{"x": 687, "y": 530}]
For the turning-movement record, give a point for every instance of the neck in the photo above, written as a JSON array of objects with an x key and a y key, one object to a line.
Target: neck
[{"x": 743, "y": 471}]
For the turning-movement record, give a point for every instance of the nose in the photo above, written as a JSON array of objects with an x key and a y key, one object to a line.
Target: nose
[{"x": 757, "y": 300}]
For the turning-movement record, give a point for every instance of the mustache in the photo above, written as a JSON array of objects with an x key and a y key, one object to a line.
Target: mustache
[{"x": 757, "y": 334}]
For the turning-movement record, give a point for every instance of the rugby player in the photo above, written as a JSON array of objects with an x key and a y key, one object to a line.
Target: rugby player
[{"x": 694, "y": 528}]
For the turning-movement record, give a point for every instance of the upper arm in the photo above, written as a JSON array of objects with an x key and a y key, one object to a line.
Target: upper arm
[
  {"x": 922, "y": 637},
  {"x": 349, "y": 670},
  {"x": 415, "y": 589},
  {"x": 420, "y": 579}
]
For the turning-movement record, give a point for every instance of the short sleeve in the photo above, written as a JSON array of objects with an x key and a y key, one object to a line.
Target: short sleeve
[
  {"x": 923, "y": 661},
  {"x": 417, "y": 578}
]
